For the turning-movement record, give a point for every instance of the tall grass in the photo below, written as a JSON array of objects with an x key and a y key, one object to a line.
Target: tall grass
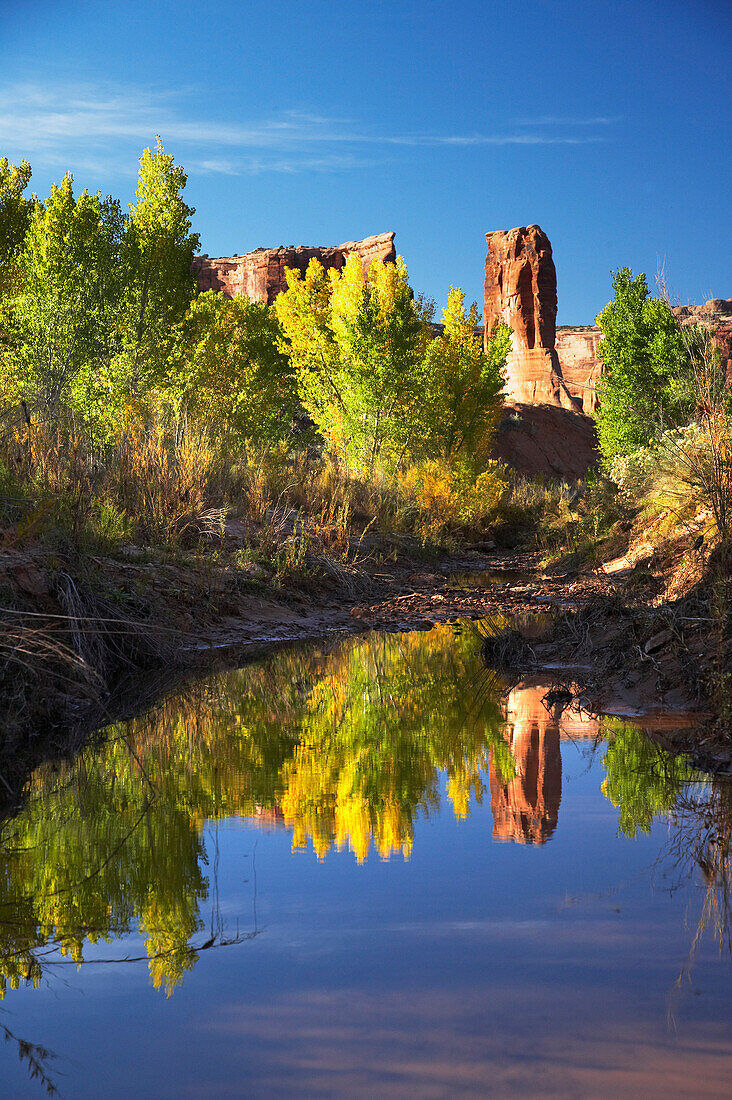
[
  {"x": 160, "y": 480},
  {"x": 156, "y": 481}
]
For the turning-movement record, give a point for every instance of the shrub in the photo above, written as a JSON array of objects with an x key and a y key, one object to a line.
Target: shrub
[{"x": 449, "y": 494}]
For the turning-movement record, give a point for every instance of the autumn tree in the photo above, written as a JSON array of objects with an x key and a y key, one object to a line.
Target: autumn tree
[
  {"x": 382, "y": 336},
  {"x": 303, "y": 312},
  {"x": 227, "y": 371},
  {"x": 357, "y": 344},
  {"x": 157, "y": 249},
  {"x": 463, "y": 382}
]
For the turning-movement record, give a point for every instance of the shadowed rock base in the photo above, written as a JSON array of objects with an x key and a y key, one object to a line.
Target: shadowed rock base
[{"x": 540, "y": 439}]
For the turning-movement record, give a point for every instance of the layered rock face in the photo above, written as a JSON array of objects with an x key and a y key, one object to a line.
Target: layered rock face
[
  {"x": 581, "y": 369},
  {"x": 521, "y": 289},
  {"x": 717, "y": 314},
  {"x": 260, "y": 275}
]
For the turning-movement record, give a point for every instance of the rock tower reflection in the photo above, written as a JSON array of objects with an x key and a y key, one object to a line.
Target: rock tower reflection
[{"x": 526, "y": 807}]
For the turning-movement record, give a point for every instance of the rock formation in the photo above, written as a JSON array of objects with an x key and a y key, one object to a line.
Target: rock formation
[
  {"x": 521, "y": 289},
  {"x": 717, "y": 314},
  {"x": 526, "y": 809},
  {"x": 581, "y": 369},
  {"x": 260, "y": 275}
]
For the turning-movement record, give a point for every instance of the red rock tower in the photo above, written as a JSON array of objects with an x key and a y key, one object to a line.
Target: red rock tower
[{"x": 521, "y": 289}]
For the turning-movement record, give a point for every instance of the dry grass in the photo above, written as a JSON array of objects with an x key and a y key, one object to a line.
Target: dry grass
[{"x": 56, "y": 666}]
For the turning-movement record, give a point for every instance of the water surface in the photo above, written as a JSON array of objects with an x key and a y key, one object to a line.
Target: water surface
[{"x": 367, "y": 868}]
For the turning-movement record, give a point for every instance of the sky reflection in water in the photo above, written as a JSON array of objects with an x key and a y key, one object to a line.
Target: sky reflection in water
[{"x": 365, "y": 868}]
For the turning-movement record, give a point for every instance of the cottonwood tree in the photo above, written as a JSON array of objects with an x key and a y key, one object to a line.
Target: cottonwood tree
[
  {"x": 157, "y": 250},
  {"x": 463, "y": 383},
  {"x": 357, "y": 344},
  {"x": 303, "y": 312},
  {"x": 382, "y": 336},
  {"x": 15, "y": 211},
  {"x": 647, "y": 378},
  {"x": 227, "y": 372},
  {"x": 65, "y": 313}
]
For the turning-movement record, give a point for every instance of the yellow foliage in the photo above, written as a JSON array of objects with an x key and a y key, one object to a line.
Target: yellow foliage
[{"x": 447, "y": 493}]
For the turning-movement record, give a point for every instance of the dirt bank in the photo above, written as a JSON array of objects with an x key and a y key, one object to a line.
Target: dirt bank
[{"x": 78, "y": 633}]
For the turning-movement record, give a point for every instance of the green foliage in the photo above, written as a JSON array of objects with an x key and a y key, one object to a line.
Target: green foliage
[
  {"x": 109, "y": 523},
  {"x": 357, "y": 345},
  {"x": 15, "y": 211},
  {"x": 157, "y": 249},
  {"x": 64, "y": 315},
  {"x": 463, "y": 384},
  {"x": 227, "y": 371},
  {"x": 95, "y": 297},
  {"x": 381, "y": 337},
  {"x": 385, "y": 397},
  {"x": 303, "y": 312},
  {"x": 647, "y": 380}
]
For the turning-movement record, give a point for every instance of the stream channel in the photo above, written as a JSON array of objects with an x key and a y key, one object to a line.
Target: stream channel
[{"x": 369, "y": 866}]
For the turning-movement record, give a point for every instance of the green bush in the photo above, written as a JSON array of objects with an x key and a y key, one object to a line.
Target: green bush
[{"x": 647, "y": 380}]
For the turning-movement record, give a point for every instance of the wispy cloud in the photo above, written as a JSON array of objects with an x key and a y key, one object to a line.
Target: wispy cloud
[
  {"x": 489, "y": 139},
  {"x": 89, "y": 126},
  {"x": 569, "y": 120},
  {"x": 297, "y": 162}
]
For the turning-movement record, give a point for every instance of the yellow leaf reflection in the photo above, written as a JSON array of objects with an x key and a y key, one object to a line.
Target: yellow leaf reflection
[{"x": 345, "y": 746}]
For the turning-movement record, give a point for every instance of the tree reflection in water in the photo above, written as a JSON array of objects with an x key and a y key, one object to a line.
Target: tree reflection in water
[
  {"x": 346, "y": 745},
  {"x": 701, "y": 821},
  {"x": 38, "y": 1060},
  {"x": 645, "y": 782}
]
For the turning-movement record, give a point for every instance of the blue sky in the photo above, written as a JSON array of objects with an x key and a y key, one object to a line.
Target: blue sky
[{"x": 604, "y": 121}]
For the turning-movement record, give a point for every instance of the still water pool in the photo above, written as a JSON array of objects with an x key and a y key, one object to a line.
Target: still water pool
[{"x": 369, "y": 868}]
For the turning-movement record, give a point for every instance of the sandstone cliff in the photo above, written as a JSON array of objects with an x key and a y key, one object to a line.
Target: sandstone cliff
[
  {"x": 521, "y": 289},
  {"x": 717, "y": 314},
  {"x": 581, "y": 369},
  {"x": 260, "y": 275}
]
